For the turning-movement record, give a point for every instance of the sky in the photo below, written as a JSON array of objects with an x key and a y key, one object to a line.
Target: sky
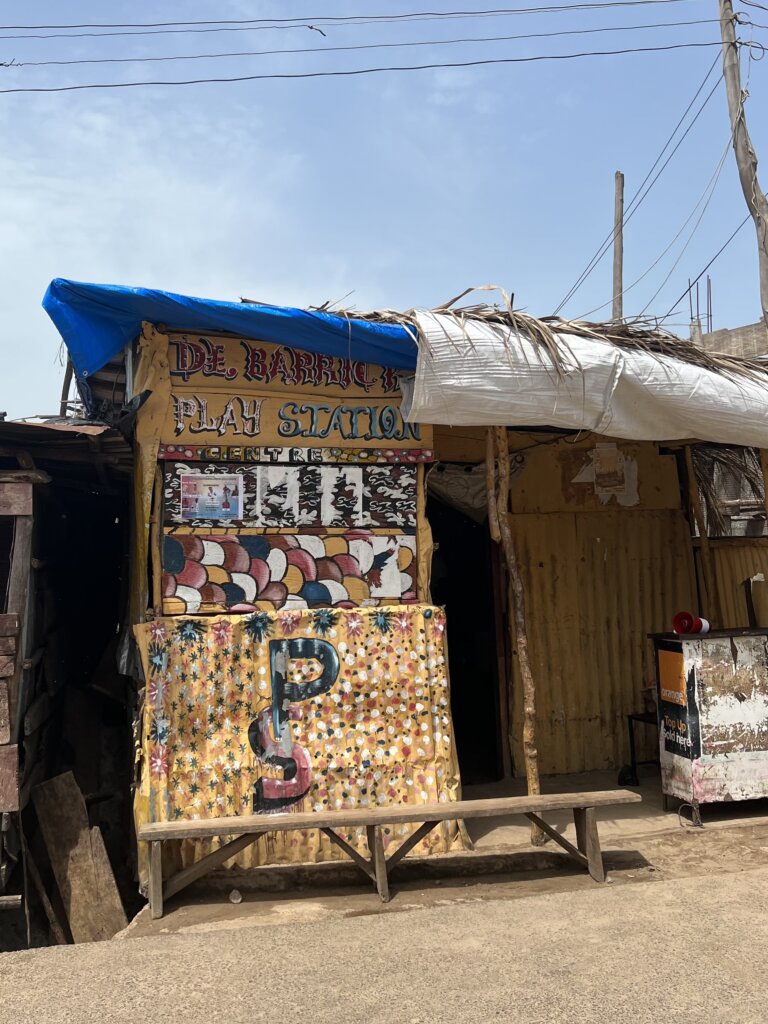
[{"x": 388, "y": 190}]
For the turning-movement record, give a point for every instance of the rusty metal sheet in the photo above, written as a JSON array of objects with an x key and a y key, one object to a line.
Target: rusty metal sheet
[
  {"x": 596, "y": 584},
  {"x": 737, "y": 560}
]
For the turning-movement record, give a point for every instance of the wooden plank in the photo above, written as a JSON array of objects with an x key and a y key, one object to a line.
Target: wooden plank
[
  {"x": 5, "y": 713},
  {"x": 201, "y": 867},
  {"x": 15, "y": 499},
  {"x": 351, "y": 852},
  {"x": 7, "y": 644},
  {"x": 9, "y": 624},
  {"x": 587, "y": 829},
  {"x": 18, "y": 592},
  {"x": 79, "y": 861},
  {"x": 37, "y": 714},
  {"x": 392, "y": 815},
  {"x": 10, "y": 902},
  {"x": 415, "y": 837},
  {"x": 156, "y": 880},
  {"x": 56, "y": 930},
  {"x": 7, "y": 665},
  {"x": 376, "y": 846},
  {"x": 9, "y": 778}
]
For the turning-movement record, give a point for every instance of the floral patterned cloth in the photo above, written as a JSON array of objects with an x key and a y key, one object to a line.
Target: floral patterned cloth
[{"x": 319, "y": 709}]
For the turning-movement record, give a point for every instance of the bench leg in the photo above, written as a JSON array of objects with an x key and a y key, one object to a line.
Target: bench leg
[
  {"x": 588, "y": 841},
  {"x": 155, "y": 880},
  {"x": 379, "y": 861}
]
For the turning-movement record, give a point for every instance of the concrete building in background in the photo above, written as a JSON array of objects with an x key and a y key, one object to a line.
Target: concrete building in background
[{"x": 737, "y": 341}]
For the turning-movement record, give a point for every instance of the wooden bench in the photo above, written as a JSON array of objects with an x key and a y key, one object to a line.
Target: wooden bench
[{"x": 247, "y": 828}]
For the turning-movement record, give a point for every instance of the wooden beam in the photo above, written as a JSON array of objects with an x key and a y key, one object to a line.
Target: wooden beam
[
  {"x": 518, "y": 625},
  {"x": 9, "y": 778},
  {"x": 569, "y": 848},
  {"x": 393, "y": 815},
  {"x": 351, "y": 852},
  {"x": 18, "y": 593},
  {"x": 201, "y": 867},
  {"x": 5, "y": 713},
  {"x": 415, "y": 837},
  {"x": 15, "y": 499},
  {"x": 9, "y": 624},
  {"x": 156, "y": 543}
]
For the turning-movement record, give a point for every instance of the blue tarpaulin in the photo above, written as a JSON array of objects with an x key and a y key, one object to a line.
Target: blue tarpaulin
[{"x": 97, "y": 321}]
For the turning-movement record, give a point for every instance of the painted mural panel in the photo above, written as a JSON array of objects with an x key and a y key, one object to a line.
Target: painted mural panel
[
  {"x": 290, "y": 496},
  {"x": 211, "y": 417},
  {"x": 313, "y": 710},
  {"x": 216, "y": 572},
  {"x": 296, "y": 455},
  {"x": 234, "y": 392}
]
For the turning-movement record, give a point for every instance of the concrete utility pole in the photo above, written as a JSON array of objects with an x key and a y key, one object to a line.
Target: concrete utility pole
[
  {"x": 618, "y": 248},
  {"x": 746, "y": 159}
]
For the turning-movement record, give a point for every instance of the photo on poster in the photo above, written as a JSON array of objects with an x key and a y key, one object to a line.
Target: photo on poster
[{"x": 209, "y": 496}]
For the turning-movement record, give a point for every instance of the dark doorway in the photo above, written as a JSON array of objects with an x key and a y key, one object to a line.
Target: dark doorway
[{"x": 462, "y": 581}]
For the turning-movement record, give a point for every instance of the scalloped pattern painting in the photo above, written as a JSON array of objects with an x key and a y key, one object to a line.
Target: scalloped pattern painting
[{"x": 239, "y": 573}]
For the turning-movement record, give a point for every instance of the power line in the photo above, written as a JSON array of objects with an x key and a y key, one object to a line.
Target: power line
[
  {"x": 664, "y": 252},
  {"x": 639, "y": 195},
  {"x": 711, "y": 189},
  {"x": 351, "y": 17},
  {"x": 719, "y": 253},
  {"x": 322, "y": 21},
  {"x": 363, "y": 71},
  {"x": 361, "y": 46}
]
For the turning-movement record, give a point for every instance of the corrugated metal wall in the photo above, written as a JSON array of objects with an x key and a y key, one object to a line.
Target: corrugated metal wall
[
  {"x": 596, "y": 585},
  {"x": 736, "y": 559}
]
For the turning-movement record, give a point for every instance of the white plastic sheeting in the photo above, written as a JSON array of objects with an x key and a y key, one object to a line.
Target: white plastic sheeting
[{"x": 487, "y": 374}]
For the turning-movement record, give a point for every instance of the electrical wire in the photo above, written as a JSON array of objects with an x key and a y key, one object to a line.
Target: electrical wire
[
  {"x": 350, "y": 17},
  {"x": 362, "y": 46},
  {"x": 661, "y": 256},
  {"x": 719, "y": 253},
  {"x": 639, "y": 195},
  {"x": 360, "y": 71},
  {"x": 322, "y": 21},
  {"x": 711, "y": 187}
]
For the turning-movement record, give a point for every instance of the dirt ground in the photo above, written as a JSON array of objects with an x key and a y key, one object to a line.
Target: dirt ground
[{"x": 643, "y": 950}]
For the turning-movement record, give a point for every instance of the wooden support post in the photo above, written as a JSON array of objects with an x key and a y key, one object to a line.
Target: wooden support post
[
  {"x": 746, "y": 159},
  {"x": 18, "y": 597},
  {"x": 490, "y": 485},
  {"x": 618, "y": 248},
  {"x": 588, "y": 840},
  {"x": 156, "y": 543},
  {"x": 156, "y": 880},
  {"x": 518, "y": 628},
  {"x": 710, "y": 604},
  {"x": 376, "y": 847}
]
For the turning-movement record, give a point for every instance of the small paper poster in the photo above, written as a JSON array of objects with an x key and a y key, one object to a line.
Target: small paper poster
[{"x": 212, "y": 496}]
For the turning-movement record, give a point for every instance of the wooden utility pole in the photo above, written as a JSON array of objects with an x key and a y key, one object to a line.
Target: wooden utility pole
[
  {"x": 746, "y": 159},
  {"x": 498, "y": 463},
  {"x": 618, "y": 249}
]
